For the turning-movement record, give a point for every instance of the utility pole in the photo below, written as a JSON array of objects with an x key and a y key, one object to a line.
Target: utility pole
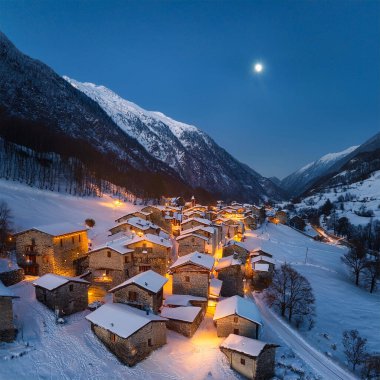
[{"x": 307, "y": 249}]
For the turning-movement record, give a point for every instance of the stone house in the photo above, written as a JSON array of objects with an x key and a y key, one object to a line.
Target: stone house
[
  {"x": 250, "y": 357},
  {"x": 239, "y": 316},
  {"x": 183, "y": 319},
  {"x": 129, "y": 333},
  {"x": 139, "y": 214},
  {"x": 260, "y": 252},
  {"x": 57, "y": 248},
  {"x": 111, "y": 263},
  {"x": 136, "y": 226},
  {"x": 67, "y": 295},
  {"x": 213, "y": 234},
  {"x": 237, "y": 248},
  {"x": 191, "y": 274},
  {"x": 192, "y": 242},
  {"x": 7, "y": 329},
  {"x": 194, "y": 222},
  {"x": 250, "y": 222},
  {"x": 144, "y": 291},
  {"x": 231, "y": 271},
  {"x": 281, "y": 216}
]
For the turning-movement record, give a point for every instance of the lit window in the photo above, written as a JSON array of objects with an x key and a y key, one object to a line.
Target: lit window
[{"x": 113, "y": 338}]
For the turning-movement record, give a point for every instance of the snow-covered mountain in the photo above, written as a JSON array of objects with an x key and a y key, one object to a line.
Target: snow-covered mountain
[
  {"x": 299, "y": 181},
  {"x": 189, "y": 151},
  {"x": 146, "y": 152}
]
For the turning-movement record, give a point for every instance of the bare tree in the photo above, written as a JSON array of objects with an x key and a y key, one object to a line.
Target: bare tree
[
  {"x": 354, "y": 347},
  {"x": 291, "y": 294},
  {"x": 5, "y": 224},
  {"x": 372, "y": 272},
  {"x": 356, "y": 261}
]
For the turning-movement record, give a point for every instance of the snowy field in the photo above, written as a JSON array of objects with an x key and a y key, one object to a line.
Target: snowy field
[
  {"x": 367, "y": 193},
  {"x": 340, "y": 305}
]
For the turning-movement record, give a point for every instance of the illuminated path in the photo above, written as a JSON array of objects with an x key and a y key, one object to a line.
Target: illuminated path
[{"x": 318, "y": 362}]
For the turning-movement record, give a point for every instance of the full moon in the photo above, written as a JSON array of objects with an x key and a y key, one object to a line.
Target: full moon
[{"x": 258, "y": 67}]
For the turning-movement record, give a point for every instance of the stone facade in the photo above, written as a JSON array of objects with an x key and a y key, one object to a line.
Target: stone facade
[
  {"x": 7, "y": 329},
  {"x": 187, "y": 329},
  {"x": 136, "y": 347},
  {"x": 137, "y": 296},
  {"x": 241, "y": 253},
  {"x": 232, "y": 278},
  {"x": 188, "y": 224},
  {"x": 39, "y": 253},
  {"x": 234, "y": 324},
  {"x": 12, "y": 277},
  {"x": 191, "y": 244},
  {"x": 68, "y": 298},
  {"x": 191, "y": 279},
  {"x": 148, "y": 255},
  {"x": 255, "y": 368}
]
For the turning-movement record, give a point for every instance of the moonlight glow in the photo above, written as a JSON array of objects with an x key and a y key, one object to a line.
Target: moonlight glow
[{"x": 258, "y": 67}]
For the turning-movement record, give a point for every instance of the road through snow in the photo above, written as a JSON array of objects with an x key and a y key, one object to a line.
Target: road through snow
[{"x": 318, "y": 362}]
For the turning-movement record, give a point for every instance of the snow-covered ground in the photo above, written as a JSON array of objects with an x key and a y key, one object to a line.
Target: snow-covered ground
[
  {"x": 365, "y": 193},
  {"x": 340, "y": 305}
]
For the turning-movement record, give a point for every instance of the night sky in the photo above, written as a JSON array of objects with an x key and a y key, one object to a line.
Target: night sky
[{"x": 319, "y": 91}]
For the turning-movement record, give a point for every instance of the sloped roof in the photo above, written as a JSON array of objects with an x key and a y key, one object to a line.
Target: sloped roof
[
  {"x": 266, "y": 259},
  {"x": 225, "y": 262},
  {"x": 57, "y": 229},
  {"x": 249, "y": 346},
  {"x": 196, "y": 258},
  {"x": 149, "y": 280},
  {"x": 181, "y": 313},
  {"x": 52, "y": 281},
  {"x": 118, "y": 245},
  {"x": 199, "y": 220},
  {"x": 141, "y": 224},
  {"x": 242, "y": 307},
  {"x": 182, "y": 300},
  {"x": 151, "y": 238},
  {"x": 180, "y": 237},
  {"x": 209, "y": 229},
  {"x": 121, "y": 319}
]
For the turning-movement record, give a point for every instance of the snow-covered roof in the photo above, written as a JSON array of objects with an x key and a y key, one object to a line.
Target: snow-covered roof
[
  {"x": 215, "y": 287},
  {"x": 57, "y": 229},
  {"x": 225, "y": 262},
  {"x": 240, "y": 306},
  {"x": 149, "y": 280},
  {"x": 196, "y": 258},
  {"x": 181, "y": 313},
  {"x": 141, "y": 224},
  {"x": 249, "y": 346},
  {"x": 237, "y": 243},
  {"x": 182, "y": 300},
  {"x": 180, "y": 237},
  {"x": 133, "y": 214},
  {"x": 121, "y": 319},
  {"x": 5, "y": 292},
  {"x": 266, "y": 259},
  {"x": 259, "y": 252},
  {"x": 210, "y": 230},
  {"x": 52, "y": 281},
  {"x": 118, "y": 245},
  {"x": 7, "y": 265},
  {"x": 199, "y": 220},
  {"x": 151, "y": 238},
  {"x": 261, "y": 267}
]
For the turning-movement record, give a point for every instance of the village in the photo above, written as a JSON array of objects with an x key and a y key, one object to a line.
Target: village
[{"x": 166, "y": 266}]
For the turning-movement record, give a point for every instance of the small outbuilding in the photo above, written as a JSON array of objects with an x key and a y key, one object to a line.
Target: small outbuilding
[
  {"x": 177, "y": 300},
  {"x": 183, "y": 319},
  {"x": 239, "y": 316},
  {"x": 250, "y": 357},
  {"x": 7, "y": 328},
  {"x": 129, "y": 333},
  {"x": 144, "y": 291},
  {"x": 67, "y": 295}
]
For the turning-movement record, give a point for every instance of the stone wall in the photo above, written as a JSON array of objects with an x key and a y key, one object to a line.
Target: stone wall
[
  {"x": 242, "y": 253},
  {"x": 7, "y": 329},
  {"x": 12, "y": 277},
  {"x": 185, "y": 328},
  {"x": 265, "y": 364},
  {"x": 234, "y": 358},
  {"x": 68, "y": 302},
  {"x": 135, "y": 348},
  {"x": 190, "y": 244},
  {"x": 232, "y": 278},
  {"x": 198, "y": 284},
  {"x": 186, "y": 225},
  {"x": 144, "y": 297},
  {"x": 227, "y": 325}
]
